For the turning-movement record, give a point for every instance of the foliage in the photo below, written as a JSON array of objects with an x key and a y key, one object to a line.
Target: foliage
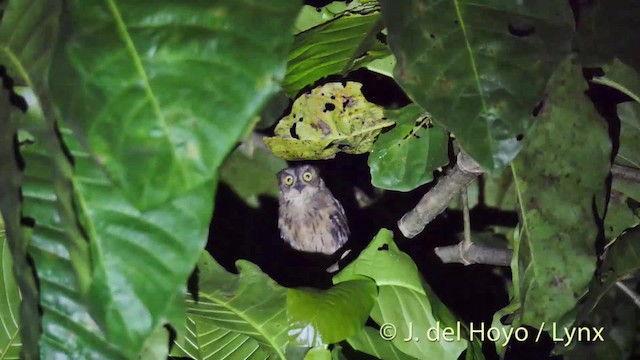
[
  {"x": 402, "y": 299},
  {"x": 332, "y": 118},
  {"x": 10, "y": 303},
  {"x": 555, "y": 195},
  {"x": 479, "y": 68},
  {"x": 118, "y": 119},
  {"x": 406, "y": 156}
]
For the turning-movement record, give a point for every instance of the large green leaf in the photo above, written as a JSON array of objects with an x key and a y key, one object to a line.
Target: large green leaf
[
  {"x": 167, "y": 87},
  {"x": 123, "y": 295},
  {"x": 325, "y": 317},
  {"x": 57, "y": 245},
  {"x": 10, "y": 344},
  {"x": 560, "y": 197},
  {"x": 479, "y": 67},
  {"x": 371, "y": 342},
  {"x": 404, "y": 302},
  {"x": 334, "y": 47},
  {"x": 406, "y": 156},
  {"x": 27, "y": 33},
  {"x": 250, "y": 305}
]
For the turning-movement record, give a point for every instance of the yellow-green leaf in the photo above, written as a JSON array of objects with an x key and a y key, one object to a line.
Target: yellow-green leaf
[{"x": 331, "y": 118}]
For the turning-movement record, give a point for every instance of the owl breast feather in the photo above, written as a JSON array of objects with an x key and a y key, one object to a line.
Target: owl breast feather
[{"x": 316, "y": 224}]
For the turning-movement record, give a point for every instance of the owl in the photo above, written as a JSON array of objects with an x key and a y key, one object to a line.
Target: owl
[{"x": 310, "y": 218}]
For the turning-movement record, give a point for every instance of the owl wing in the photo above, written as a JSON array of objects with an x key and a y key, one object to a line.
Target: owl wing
[{"x": 340, "y": 230}]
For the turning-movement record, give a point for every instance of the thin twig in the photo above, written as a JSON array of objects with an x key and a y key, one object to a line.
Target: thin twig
[
  {"x": 474, "y": 254},
  {"x": 625, "y": 172},
  {"x": 632, "y": 294},
  {"x": 466, "y": 221},
  {"x": 436, "y": 200}
]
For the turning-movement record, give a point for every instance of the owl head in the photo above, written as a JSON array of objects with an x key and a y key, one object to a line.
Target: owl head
[{"x": 303, "y": 179}]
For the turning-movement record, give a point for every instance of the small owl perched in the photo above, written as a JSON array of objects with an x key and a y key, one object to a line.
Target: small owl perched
[{"x": 310, "y": 218}]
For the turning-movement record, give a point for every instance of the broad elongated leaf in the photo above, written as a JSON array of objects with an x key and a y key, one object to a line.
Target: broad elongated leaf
[
  {"x": 403, "y": 300},
  {"x": 167, "y": 87},
  {"x": 479, "y": 67},
  {"x": 331, "y": 118},
  {"x": 250, "y": 305},
  {"x": 559, "y": 199},
  {"x": 27, "y": 32},
  {"x": 58, "y": 248},
  {"x": 10, "y": 344},
  {"x": 124, "y": 295},
  {"x": 319, "y": 318},
  {"x": 333, "y": 47},
  {"x": 406, "y": 156},
  {"x": 371, "y": 342}
]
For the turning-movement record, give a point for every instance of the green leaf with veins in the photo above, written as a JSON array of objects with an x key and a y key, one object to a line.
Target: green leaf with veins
[
  {"x": 479, "y": 67},
  {"x": 167, "y": 87},
  {"x": 10, "y": 344},
  {"x": 403, "y": 298},
  {"x": 560, "y": 198},
  {"x": 201, "y": 340},
  {"x": 328, "y": 119},
  {"x": 344, "y": 43},
  {"x": 250, "y": 305},
  {"x": 54, "y": 320},
  {"x": 325, "y": 317},
  {"x": 406, "y": 156}
]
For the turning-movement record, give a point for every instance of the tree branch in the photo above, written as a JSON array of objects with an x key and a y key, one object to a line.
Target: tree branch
[
  {"x": 474, "y": 254},
  {"x": 625, "y": 172},
  {"x": 635, "y": 297},
  {"x": 436, "y": 200}
]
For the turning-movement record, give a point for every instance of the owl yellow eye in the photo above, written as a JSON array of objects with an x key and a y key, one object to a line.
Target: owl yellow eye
[
  {"x": 288, "y": 180},
  {"x": 307, "y": 176}
]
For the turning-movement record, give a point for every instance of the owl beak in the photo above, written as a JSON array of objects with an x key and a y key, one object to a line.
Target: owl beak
[{"x": 298, "y": 186}]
